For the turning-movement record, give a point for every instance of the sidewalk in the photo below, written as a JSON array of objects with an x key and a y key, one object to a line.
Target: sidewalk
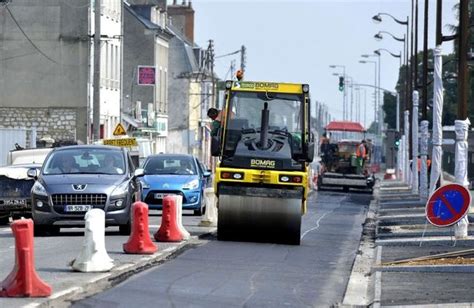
[
  {"x": 402, "y": 233},
  {"x": 69, "y": 285}
]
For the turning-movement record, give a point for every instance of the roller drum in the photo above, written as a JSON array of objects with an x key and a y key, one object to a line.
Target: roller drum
[{"x": 261, "y": 217}]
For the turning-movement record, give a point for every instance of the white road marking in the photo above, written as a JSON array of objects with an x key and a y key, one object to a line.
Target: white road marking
[
  {"x": 320, "y": 218},
  {"x": 317, "y": 224}
]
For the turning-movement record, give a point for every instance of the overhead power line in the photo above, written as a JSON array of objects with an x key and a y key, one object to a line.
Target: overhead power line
[{"x": 28, "y": 38}]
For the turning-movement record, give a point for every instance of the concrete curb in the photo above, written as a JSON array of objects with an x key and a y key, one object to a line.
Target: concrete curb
[
  {"x": 358, "y": 292},
  {"x": 378, "y": 280},
  {"x": 403, "y": 203},
  {"x": 447, "y": 305},
  {"x": 118, "y": 274},
  {"x": 454, "y": 268},
  {"x": 417, "y": 234},
  {"x": 433, "y": 241}
]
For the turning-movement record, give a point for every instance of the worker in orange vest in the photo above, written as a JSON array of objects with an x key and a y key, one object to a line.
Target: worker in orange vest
[{"x": 361, "y": 154}]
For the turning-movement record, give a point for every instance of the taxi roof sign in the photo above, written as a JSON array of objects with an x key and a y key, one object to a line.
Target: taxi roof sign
[
  {"x": 119, "y": 130},
  {"x": 121, "y": 142}
]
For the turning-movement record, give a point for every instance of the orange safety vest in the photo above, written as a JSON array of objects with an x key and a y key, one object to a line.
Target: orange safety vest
[
  {"x": 359, "y": 152},
  {"x": 428, "y": 164}
]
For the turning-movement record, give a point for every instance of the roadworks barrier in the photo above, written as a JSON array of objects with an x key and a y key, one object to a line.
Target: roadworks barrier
[
  {"x": 169, "y": 230},
  {"x": 93, "y": 257},
  {"x": 210, "y": 216},
  {"x": 23, "y": 281},
  {"x": 139, "y": 241},
  {"x": 179, "y": 218}
]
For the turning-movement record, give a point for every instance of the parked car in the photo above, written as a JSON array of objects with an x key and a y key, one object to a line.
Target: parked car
[
  {"x": 174, "y": 174},
  {"x": 75, "y": 179},
  {"x": 15, "y": 185}
]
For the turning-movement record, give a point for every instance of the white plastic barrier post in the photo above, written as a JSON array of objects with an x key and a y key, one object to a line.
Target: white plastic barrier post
[
  {"x": 425, "y": 135},
  {"x": 401, "y": 154},
  {"x": 179, "y": 218},
  {"x": 210, "y": 216},
  {"x": 436, "y": 156},
  {"x": 94, "y": 257},
  {"x": 407, "y": 147},
  {"x": 460, "y": 169},
  {"x": 414, "y": 145}
]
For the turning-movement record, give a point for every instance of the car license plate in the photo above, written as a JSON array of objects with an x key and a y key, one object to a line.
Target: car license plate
[
  {"x": 161, "y": 196},
  {"x": 15, "y": 202},
  {"x": 77, "y": 208}
]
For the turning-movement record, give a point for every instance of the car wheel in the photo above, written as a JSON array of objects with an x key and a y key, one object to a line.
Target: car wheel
[
  {"x": 125, "y": 229},
  {"x": 4, "y": 220},
  {"x": 198, "y": 212},
  {"x": 44, "y": 230}
]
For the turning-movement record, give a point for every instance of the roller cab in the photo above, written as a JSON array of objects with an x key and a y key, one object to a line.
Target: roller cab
[{"x": 265, "y": 145}]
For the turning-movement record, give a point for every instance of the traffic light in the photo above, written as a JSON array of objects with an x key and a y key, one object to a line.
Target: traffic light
[
  {"x": 396, "y": 140},
  {"x": 341, "y": 83}
]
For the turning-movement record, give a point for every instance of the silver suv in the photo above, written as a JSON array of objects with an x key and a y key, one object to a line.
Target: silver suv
[{"x": 75, "y": 179}]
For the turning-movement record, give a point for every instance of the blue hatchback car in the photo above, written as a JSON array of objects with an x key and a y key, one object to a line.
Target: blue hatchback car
[{"x": 174, "y": 174}]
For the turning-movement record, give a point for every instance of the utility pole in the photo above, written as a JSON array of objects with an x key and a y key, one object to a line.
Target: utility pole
[
  {"x": 96, "y": 79},
  {"x": 425, "y": 64},
  {"x": 243, "y": 59},
  {"x": 462, "y": 125},
  {"x": 463, "y": 81},
  {"x": 210, "y": 51}
]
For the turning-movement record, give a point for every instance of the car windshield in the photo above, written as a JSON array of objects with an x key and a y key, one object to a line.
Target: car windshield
[
  {"x": 170, "y": 165},
  {"x": 36, "y": 156},
  {"x": 89, "y": 161},
  {"x": 285, "y": 115}
]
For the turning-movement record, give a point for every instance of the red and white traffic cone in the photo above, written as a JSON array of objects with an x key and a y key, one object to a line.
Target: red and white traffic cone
[
  {"x": 139, "y": 241},
  {"x": 169, "y": 231},
  {"x": 23, "y": 281}
]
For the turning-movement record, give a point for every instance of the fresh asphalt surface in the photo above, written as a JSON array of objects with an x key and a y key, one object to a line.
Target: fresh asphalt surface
[{"x": 223, "y": 274}]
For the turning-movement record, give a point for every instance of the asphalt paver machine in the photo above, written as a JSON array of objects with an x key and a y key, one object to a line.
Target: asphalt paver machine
[
  {"x": 264, "y": 147},
  {"x": 339, "y": 160}
]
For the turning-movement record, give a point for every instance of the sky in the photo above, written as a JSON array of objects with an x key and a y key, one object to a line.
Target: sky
[{"x": 296, "y": 41}]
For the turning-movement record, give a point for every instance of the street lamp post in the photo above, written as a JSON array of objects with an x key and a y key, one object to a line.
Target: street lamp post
[
  {"x": 378, "y": 18},
  {"x": 378, "y": 52},
  {"x": 344, "y": 93},
  {"x": 379, "y": 36},
  {"x": 379, "y": 102},
  {"x": 375, "y": 89}
]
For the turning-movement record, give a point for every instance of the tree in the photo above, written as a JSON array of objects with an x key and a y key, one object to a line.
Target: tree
[{"x": 390, "y": 109}]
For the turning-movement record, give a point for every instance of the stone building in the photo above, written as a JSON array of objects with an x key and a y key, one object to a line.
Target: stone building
[{"x": 46, "y": 67}]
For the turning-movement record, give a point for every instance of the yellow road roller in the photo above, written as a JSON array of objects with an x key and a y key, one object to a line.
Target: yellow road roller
[{"x": 264, "y": 145}]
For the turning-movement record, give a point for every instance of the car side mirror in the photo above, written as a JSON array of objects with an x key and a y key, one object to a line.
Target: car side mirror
[
  {"x": 139, "y": 173},
  {"x": 206, "y": 174},
  {"x": 215, "y": 146},
  {"x": 32, "y": 173}
]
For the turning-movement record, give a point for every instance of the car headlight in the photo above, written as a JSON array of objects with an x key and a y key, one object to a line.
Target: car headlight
[
  {"x": 194, "y": 184},
  {"x": 121, "y": 190},
  {"x": 38, "y": 189}
]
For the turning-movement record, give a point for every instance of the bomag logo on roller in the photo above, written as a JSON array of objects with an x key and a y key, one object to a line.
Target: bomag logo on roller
[
  {"x": 262, "y": 163},
  {"x": 259, "y": 85}
]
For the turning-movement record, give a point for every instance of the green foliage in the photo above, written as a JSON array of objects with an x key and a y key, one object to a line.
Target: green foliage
[
  {"x": 450, "y": 102},
  {"x": 390, "y": 109}
]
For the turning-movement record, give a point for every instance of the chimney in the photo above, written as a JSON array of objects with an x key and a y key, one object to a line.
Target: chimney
[{"x": 183, "y": 18}]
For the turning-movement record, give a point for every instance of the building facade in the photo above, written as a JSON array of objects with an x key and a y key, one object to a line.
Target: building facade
[
  {"x": 146, "y": 44},
  {"x": 46, "y": 67}
]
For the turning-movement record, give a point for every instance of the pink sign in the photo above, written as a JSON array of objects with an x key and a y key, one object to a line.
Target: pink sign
[{"x": 146, "y": 76}]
